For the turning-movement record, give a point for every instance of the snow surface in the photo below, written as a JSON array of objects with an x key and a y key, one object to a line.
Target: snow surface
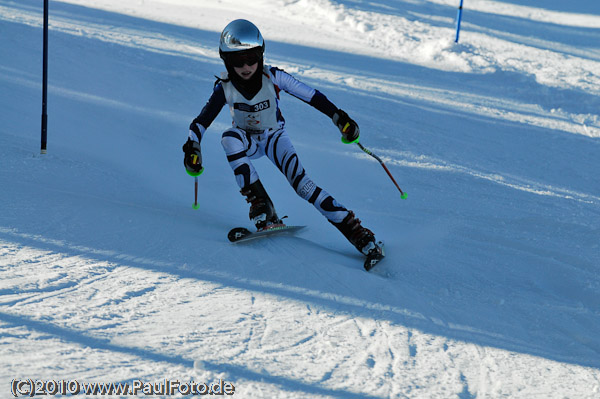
[{"x": 491, "y": 286}]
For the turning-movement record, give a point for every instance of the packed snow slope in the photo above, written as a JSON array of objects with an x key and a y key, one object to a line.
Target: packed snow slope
[{"x": 491, "y": 284}]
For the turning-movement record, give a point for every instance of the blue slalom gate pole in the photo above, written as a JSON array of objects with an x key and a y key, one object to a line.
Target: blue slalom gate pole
[{"x": 458, "y": 19}]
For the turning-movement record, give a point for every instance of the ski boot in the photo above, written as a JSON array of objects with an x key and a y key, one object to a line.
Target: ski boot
[
  {"x": 362, "y": 238},
  {"x": 262, "y": 212}
]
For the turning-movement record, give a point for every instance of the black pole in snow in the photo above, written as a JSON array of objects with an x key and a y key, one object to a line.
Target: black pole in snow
[{"x": 45, "y": 82}]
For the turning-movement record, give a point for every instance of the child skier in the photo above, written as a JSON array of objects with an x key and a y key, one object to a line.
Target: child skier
[{"x": 251, "y": 90}]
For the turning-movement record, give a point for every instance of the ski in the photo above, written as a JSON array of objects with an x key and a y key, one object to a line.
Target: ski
[
  {"x": 239, "y": 234},
  {"x": 242, "y": 234},
  {"x": 375, "y": 256}
]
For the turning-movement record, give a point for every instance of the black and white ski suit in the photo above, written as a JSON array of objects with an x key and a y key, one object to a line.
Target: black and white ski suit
[{"x": 258, "y": 129}]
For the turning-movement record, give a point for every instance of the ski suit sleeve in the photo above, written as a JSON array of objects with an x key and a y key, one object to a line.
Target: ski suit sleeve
[
  {"x": 294, "y": 87},
  {"x": 210, "y": 111}
]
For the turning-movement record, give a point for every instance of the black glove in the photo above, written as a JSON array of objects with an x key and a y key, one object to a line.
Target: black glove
[
  {"x": 193, "y": 158},
  {"x": 348, "y": 128}
]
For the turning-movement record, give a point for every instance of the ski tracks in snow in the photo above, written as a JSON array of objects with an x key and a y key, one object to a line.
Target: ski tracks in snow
[
  {"x": 97, "y": 309},
  {"x": 410, "y": 160}
]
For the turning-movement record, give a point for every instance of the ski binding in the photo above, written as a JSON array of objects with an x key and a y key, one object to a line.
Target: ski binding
[{"x": 375, "y": 256}]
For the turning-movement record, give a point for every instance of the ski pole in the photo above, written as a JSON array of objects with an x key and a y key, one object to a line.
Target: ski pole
[
  {"x": 195, "y": 206},
  {"x": 195, "y": 160},
  {"x": 366, "y": 150}
]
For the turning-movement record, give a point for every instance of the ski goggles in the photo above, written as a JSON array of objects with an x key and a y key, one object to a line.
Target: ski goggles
[{"x": 239, "y": 59}]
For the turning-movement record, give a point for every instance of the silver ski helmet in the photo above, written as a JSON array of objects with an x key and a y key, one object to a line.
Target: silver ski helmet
[{"x": 241, "y": 36}]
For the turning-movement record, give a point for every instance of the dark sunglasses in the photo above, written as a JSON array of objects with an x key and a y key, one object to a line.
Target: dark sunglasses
[{"x": 238, "y": 60}]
